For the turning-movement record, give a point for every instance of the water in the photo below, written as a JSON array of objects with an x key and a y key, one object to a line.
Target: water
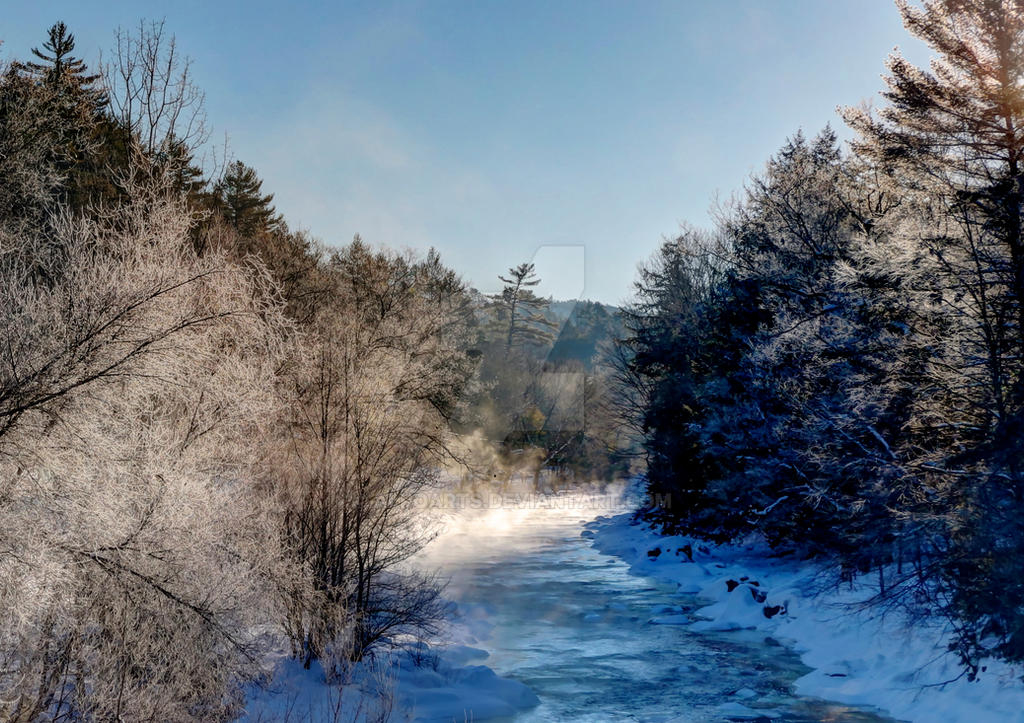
[{"x": 571, "y": 623}]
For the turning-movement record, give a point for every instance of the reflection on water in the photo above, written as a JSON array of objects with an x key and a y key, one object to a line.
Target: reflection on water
[{"x": 572, "y": 624}]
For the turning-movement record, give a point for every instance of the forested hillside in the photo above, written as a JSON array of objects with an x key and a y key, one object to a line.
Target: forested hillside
[{"x": 539, "y": 406}]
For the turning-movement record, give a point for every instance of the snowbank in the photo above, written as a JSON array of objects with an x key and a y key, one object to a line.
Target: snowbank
[
  {"x": 859, "y": 658},
  {"x": 421, "y": 685}
]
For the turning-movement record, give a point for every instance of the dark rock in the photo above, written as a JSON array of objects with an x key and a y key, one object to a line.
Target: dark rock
[
  {"x": 654, "y": 553},
  {"x": 771, "y": 611},
  {"x": 731, "y": 584}
]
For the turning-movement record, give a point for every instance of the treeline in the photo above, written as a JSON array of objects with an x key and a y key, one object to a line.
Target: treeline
[
  {"x": 212, "y": 429},
  {"x": 839, "y": 365}
]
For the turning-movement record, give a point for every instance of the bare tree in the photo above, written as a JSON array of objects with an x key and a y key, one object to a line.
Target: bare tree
[{"x": 152, "y": 94}]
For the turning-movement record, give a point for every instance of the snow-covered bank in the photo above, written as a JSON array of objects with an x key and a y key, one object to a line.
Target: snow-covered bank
[
  {"x": 420, "y": 685},
  {"x": 859, "y": 658},
  {"x": 444, "y": 681}
]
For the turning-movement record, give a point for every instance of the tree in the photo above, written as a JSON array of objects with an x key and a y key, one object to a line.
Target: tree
[
  {"x": 518, "y": 312},
  {"x": 32, "y": 139},
  {"x": 53, "y": 112},
  {"x": 60, "y": 69},
  {"x": 369, "y": 396},
  {"x": 152, "y": 93},
  {"x": 660, "y": 367},
  {"x": 137, "y": 557},
  {"x": 243, "y": 203},
  {"x": 758, "y": 354},
  {"x": 951, "y": 139}
]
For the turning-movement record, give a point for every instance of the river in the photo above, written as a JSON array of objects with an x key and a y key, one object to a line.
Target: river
[{"x": 572, "y": 624}]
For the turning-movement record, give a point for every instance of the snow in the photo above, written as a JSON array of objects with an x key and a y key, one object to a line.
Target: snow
[
  {"x": 858, "y": 657},
  {"x": 428, "y": 685}
]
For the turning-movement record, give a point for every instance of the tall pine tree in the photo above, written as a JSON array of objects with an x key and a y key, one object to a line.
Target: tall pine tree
[
  {"x": 79, "y": 143},
  {"x": 951, "y": 142},
  {"x": 518, "y": 311},
  {"x": 58, "y": 68}
]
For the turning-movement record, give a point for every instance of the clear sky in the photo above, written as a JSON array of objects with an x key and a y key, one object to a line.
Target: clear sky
[{"x": 491, "y": 129}]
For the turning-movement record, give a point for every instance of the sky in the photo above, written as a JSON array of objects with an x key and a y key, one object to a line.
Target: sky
[{"x": 576, "y": 134}]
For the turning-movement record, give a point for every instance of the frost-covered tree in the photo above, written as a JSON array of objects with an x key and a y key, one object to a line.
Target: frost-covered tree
[
  {"x": 814, "y": 335},
  {"x": 51, "y": 118},
  {"x": 368, "y": 399},
  {"x": 745, "y": 340},
  {"x": 137, "y": 559},
  {"x": 951, "y": 140},
  {"x": 32, "y": 138}
]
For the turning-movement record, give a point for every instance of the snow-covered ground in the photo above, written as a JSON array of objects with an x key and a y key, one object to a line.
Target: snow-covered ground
[
  {"x": 422, "y": 685},
  {"x": 439, "y": 682},
  {"x": 858, "y": 657}
]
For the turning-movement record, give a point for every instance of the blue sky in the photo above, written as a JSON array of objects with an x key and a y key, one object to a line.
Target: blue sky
[{"x": 589, "y": 129}]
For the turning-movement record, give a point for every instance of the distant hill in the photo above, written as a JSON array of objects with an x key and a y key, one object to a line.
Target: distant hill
[
  {"x": 562, "y": 310},
  {"x": 585, "y": 326}
]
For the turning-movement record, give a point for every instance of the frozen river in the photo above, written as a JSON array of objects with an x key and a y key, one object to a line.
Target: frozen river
[{"x": 572, "y": 624}]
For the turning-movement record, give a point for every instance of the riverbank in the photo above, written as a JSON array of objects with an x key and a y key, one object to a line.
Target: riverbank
[{"x": 859, "y": 657}]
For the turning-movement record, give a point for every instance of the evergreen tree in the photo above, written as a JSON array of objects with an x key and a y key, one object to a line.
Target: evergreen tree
[
  {"x": 664, "y": 361},
  {"x": 185, "y": 176},
  {"x": 60, "y": 69},
  {"x": 83, "y": 146},
  {"x": 246, "y": 208},
  {"x": 951, "y": 140},
  {"x": 518, "y": 311}
]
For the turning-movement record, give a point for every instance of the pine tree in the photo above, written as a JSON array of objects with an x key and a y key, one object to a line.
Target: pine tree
[
  {"x": 664, "y": 361},
  {"x": 83, "y": 146},
  {"x": 951, "y": 142},
  {"x": 955, "y": 136},
  {"x": 60, "y": 69},
  {"x": 242, "y": 201},
  {"x": 519, "y": 311},
  {"x": 185, "y": 176}
]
